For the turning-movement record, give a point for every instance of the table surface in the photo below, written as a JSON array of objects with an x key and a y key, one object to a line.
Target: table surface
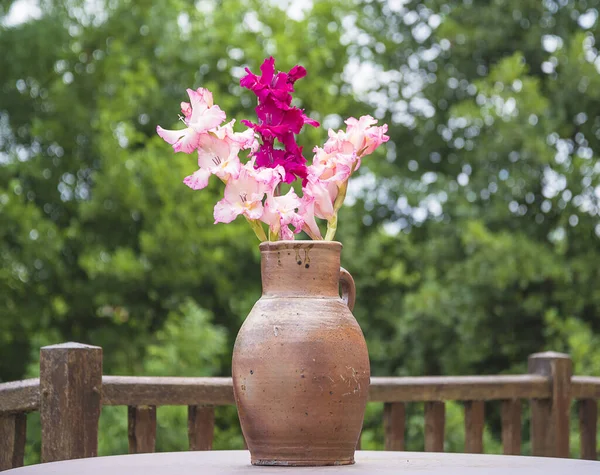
[{"x": 367, "y": 463}]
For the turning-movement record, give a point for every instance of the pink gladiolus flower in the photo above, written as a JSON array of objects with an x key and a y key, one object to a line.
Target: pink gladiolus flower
[
  {"x": 215, "y": 157},
  {"x": 280, "y": 213},
  {"x": 200, "y": 115},
  {"x": 361, "y": 133},
  {"x": 245, "y": 140},
  {"x": 335, "y": 166},
  {"x": 324, "y": 195},
  {"x": 306, "y": 211},
  {"x": 244, "y": 194}
]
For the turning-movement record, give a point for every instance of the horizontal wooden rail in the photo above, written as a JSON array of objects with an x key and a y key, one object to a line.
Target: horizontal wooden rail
[
  {"x": 585, "y": 387},
  {"x": 20, "y": 396},
  {"x": 23, "y": 396},
  {"x": 171, "y": 391},
  {"x": 459, "y": 388}
]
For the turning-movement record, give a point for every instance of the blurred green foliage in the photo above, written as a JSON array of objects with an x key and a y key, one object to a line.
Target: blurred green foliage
[{"x": 473, "y": 237}]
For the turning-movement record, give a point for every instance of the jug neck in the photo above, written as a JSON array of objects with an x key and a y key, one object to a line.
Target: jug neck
[{"x": 300, "y": 268}]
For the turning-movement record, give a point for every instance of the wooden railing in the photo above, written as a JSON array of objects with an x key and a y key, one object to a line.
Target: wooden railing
[{"x": 72, "y": 390}]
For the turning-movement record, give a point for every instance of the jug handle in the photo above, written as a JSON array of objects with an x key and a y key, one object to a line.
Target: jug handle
[{"x": 348, "y": 288}]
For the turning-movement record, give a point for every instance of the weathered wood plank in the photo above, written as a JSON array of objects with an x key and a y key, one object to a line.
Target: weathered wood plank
[
  {"x": 20, "y": 396},
  {"x": 128, "y": 390},
  {"x": 201, "y": 427},
  {"x": 435, "y": 421},
  {"x": 474, "y": 424},
  {"x": 12, "y": 440},
  {"x": 141, "y": 429},
  {"x": 550, "y": 417},
  {"x": 541, "y": 415},
  {"x": 585, "y": 387},
  {"x": 394, "y": 421},
  {"x": 458, "y": 388},
  {"x": 511, "y": 426},
  {"x": 70, "y": 386},
  {"x": 166, "y": 391},
  {"x": 588, "y": 427}
]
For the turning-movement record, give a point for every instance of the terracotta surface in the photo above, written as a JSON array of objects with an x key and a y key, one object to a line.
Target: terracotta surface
[
  {"x": 220, "y": 462},
  {"x": 300, "y": 361}
]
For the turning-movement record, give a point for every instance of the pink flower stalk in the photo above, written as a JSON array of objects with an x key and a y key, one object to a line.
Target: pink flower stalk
[
  {"x": 280, "y": 213},
  {"x": 277, "y": 119},
  {"x": 199, "y": 116},
  {"x": 244, "y": 194}
]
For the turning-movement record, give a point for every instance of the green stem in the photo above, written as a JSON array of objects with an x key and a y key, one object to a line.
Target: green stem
[
  {"x": 258, "y": 229},
  {"x": 333, "y": 221},
  {"x": 331, "y": 228},
  {"x": 339, "y": 201}
]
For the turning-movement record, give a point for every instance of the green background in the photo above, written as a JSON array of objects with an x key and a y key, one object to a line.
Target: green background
[{"x": 473, "y": 236}]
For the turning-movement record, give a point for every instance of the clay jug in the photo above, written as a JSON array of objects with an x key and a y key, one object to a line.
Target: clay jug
[{"x": 300, "y": 362}]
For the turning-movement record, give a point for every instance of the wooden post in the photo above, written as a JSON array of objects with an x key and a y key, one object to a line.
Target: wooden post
[
  {"x": 588, "y": 426},
  {"x": 511, "y": 426},
  {"x": 474, "y": 424},
  {"x": 550, "y": 417},
  {"x": 142, "y": 429},
  {"x": 12, "y": 440},
  {"x": 70, "y": 393},
  {"x": 435, "y": 421},
  {"x": 201, "y": 427},
  {"x": 394, "y": 421}
]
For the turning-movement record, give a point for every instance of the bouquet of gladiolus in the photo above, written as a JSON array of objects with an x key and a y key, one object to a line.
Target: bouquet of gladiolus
[{"x": 255, "y": 189}]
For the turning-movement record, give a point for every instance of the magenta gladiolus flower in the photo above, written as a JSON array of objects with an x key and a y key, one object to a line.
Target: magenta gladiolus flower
[
  {"x": 277, "y": 119},
  {"x": 279, "y": 86}
]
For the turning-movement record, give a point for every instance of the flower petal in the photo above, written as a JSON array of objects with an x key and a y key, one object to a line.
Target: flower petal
[
  {"x": 286, "y": 233},
  {"x": 209, "y": 119},
  {"x": 255, "y": 211},
  {"x": 170, "y": 136},
  {"x": 307, "y": 212},
  {"x": 212, "y": 152},
  {"x": 198, "y": 179},
  {"x": 184, "y": 140},
  {"x": 226, "y": 212},
  {"x": 188, "y": 143}
]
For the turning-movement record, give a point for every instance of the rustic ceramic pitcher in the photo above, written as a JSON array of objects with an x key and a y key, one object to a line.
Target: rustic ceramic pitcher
[{"x": 300, "y": 363}]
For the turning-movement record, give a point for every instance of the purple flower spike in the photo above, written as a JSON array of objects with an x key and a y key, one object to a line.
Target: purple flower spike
[{"x": 277, "y": 119}]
